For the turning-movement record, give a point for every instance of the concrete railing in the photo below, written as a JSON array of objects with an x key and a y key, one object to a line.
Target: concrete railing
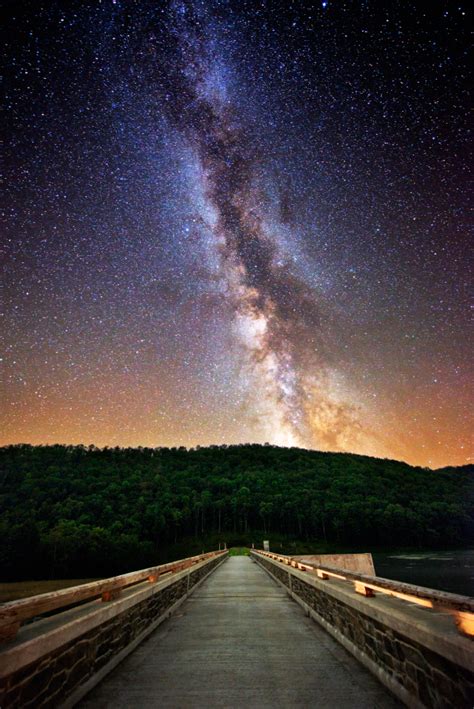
[
  {"x": 55, "y": 660},
  {"x": 402, "y": 633}
]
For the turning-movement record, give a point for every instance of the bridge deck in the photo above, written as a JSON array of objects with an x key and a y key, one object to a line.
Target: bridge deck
[{"x": 239, "y": 641}]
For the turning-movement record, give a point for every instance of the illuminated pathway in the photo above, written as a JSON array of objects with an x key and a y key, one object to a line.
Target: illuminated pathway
[{"x": 240, "y": 641}]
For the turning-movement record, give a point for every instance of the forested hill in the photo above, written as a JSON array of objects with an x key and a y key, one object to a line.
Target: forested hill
[{"x": 82, "y": 511}]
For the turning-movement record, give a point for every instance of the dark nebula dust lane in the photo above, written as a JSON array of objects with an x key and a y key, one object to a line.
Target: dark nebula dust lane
[
  {"x": 273, "y": 311},
  {"x": 234, "y": 221}
]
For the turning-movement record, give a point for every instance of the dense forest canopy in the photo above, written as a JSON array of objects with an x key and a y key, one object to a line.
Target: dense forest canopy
[{"x": 81, "y": 511}]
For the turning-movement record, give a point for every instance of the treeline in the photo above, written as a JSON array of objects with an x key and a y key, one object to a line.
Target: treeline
[{"x": 76, "y": 511}]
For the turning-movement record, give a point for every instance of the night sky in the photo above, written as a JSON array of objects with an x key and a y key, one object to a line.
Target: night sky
[{"x": 232, "y": 221}]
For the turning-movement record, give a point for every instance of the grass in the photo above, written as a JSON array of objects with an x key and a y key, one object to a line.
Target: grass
[
  {"x": 24, "y": 589},
  {"x": 239, "y": 551}
]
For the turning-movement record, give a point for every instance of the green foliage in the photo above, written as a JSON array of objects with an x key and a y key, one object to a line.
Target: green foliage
[{"x": 76, "y": 511}]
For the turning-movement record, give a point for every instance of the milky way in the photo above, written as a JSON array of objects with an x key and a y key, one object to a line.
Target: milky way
[
  {"x": 235, "y": 221},
  {"x": 275, "y": 313}
]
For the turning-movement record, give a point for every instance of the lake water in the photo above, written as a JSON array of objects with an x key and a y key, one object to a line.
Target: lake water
[{"x": 445, "y": 570}]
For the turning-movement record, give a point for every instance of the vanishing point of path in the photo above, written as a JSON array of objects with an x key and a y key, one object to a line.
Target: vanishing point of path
[{"x": 239, "y": 641}]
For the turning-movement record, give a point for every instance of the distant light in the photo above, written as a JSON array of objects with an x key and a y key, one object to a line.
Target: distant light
[{"x": 324, "y": 4}]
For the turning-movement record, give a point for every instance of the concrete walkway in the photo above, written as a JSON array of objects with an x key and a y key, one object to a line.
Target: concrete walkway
[{"x": 239, "y": 641}]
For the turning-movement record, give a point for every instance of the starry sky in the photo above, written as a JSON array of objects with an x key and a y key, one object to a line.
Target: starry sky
[{"x": 238, "y": 221}]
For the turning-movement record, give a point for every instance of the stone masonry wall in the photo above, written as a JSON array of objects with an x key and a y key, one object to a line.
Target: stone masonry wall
[
  {"x": 49, "y": 681},
  {"x": 432, "y": 679}
]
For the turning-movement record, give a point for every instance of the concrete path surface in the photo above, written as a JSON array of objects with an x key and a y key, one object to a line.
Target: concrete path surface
[{"x": 239, "y": 641}]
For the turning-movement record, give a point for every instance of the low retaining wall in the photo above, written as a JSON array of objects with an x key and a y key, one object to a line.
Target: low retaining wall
[
  {"x": 56, "y": 661},
  {"x": 363, "y": 563},
  {"x": 416, "y": 652}
]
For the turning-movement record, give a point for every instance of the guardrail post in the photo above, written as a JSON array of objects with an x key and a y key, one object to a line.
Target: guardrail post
[
  {"x": 364, "y": 590},
  {"x": 322, "y": 575},
  {"x": 111, "y": 595},
  {"x": 464, "y": 622},
  {"x": 9, "y": 632}
]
